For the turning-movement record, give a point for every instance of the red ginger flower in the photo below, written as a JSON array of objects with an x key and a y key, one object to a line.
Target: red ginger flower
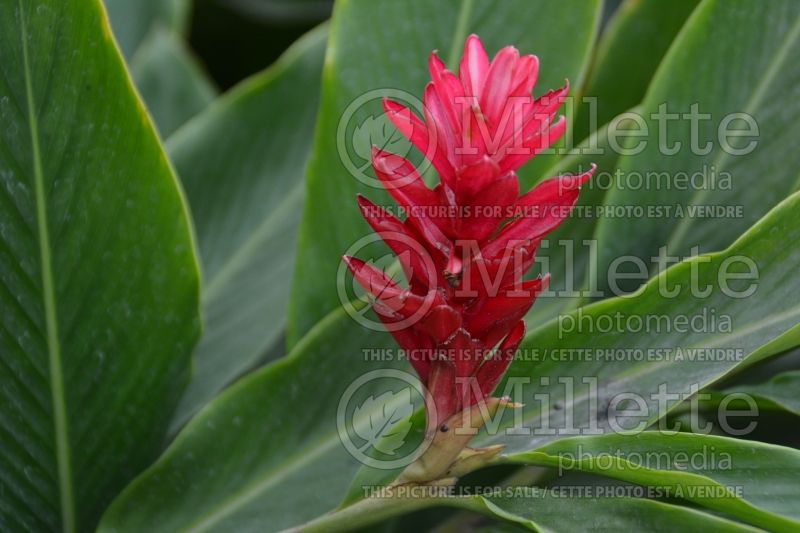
[{"x": 466, "y": 291}]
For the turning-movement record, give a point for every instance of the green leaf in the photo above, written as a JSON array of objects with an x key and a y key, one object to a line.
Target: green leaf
[
  {"x": 635, "y": 344},
  {"x": 241, "y": 162},
  {"x": 546, "y": 510},
  {"x": 99, "y": 293},
  {"x": 384, "y": 46},
  {"x": 780, "y": 392},
  {"x": 752, "y": 481},
  {"x": 567, "y": 253},
  {"x": 171, "y": 82},
  {"x": 732, "y": 57},
  {"x": 265, "y": 454},
  {"x": 132, "y": 20},
  {"x": 630, "y": 49}
]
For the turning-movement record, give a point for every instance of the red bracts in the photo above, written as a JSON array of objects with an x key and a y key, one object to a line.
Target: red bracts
[{"x": 466, "y": 244}]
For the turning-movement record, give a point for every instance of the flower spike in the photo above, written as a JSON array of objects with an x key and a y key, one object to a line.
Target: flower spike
[{"x": 462, "y": 315}]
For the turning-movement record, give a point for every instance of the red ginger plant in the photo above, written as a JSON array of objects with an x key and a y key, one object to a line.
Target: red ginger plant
[{"x": 477, "y": 234}]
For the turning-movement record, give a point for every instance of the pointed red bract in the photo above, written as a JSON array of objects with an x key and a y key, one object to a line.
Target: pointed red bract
[{"x": 466, "y": 244}]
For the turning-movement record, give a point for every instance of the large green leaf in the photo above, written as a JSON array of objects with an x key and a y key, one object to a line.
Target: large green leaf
[
  {"x": 733, "y": 56},
  {"x": 751, "y": 481},
  {"x": 384, "y": 46},
  {"x": 647, "y": 346},
  {"x": 242, "y": 164},
  {"x": 630, "y": 49},
  {"x": 99, "y": 293},
  {"x": 171, "y": 82},
  {"x": 265, "y": 454},
  {"x": 132, "y": 20}
]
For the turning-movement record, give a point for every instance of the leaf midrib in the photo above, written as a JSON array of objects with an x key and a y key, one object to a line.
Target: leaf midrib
[
  {"x": 291, "y": 464},
  {"x": 460, "y": 32},
  {"x": 250, "y": 246},
  {"x": 55, "y": 373}
]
